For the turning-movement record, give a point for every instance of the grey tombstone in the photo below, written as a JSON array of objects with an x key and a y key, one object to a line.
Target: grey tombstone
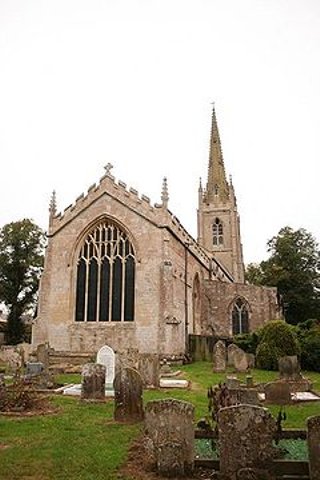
[
  {"x": 289, "y": 367},
  {"x": 43, "y": 354},
  {"x": 219, "y": 356},
  {"x": 93, "y": 382},
  {"x": 245, "y": 438},
  {"x": 313, "y": 437},
  {"x": 237, "y": 358},
  {"x": 248, "y": 396},
  {"x": 232, "y": 382},
  {"x": 106, "y": 357},
  {"x": 34, "y": 368},
  {"x": 170, "y": 431},
  {"x": 128, "y": 402},
  {"x": 277, "y": 393},
  {"x": 149, "y": 368}
]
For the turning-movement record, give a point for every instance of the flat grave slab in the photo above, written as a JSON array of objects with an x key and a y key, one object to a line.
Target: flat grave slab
[
  {"x": 298, "y": 397},
  {"x": 75, "y": 390},
  {"x": 173, "y": 383}
]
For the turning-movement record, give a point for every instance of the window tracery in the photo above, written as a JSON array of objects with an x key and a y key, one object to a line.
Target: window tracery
[
  {"x": 240, "y": 317},
  {"x": 217, "y": 232},
  {"x": 105, "y": 276}
]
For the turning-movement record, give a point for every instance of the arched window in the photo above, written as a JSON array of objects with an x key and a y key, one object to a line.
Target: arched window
[
  {"x": 217, "y": 232},
  {"x": 240, "y": 317},
  {"x": 105, "y": 276}
]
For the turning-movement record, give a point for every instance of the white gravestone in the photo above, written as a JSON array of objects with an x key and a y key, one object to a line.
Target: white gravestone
[{"x": 106, "y": 357}]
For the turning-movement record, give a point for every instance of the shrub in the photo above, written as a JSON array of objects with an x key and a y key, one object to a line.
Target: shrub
[
  {"x": 247, "y": 341},
  {"x": 277, "y": 339}
]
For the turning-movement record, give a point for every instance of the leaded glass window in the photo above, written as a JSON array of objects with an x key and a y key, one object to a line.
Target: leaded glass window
[
  {"x": 217, "y": 232},
  {"x": 105, "y": 276},
  {"x": 240, "y": 317}
]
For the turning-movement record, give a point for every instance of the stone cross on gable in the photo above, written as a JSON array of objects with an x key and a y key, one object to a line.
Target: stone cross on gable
[{"x": 108, "y": 168}]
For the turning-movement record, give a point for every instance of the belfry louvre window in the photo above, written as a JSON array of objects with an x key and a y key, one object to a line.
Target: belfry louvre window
[
  {"x": 240, "y": 318},
  {"x": 105, "y": 276},
  {"x": 217, "y": 232}
]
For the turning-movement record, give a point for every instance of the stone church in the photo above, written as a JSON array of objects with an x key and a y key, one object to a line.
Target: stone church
[{"x": 122, "y": 272}]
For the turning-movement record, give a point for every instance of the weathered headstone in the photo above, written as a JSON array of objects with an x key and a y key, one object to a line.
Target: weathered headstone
[
  {"x": 313, "y": 436},
  {"x": 289, "y": 367},
  {"x": 149, "y": 369},
  {"x": 237, "y": 358},
  {"x": 277, "y": 392},
  {"x": 251, "y": 360},
  {"x": 93, "y": 381},
  {"x": 106, "y": 357},
  {"x": 169, "y": 427},
  {"x": 289, "y": 371},
  {"x": 245, "y": 438},
  {"x": 248, "y": 396},
  {"x": 232, "y": 382},
  {"x": 34, "y": 368},
  {"x": 43, "y": 354},
  {"x": 219, "y": 356},
  {"x": 128, "y": 389}
]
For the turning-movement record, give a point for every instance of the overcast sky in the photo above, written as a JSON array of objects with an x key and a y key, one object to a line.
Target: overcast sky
[{"x": 87, "y": 82}]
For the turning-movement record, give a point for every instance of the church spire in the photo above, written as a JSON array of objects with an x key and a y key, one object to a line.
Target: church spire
[
  {"x": 52, "y": 207},
  {"x": 217, "y": 186}
]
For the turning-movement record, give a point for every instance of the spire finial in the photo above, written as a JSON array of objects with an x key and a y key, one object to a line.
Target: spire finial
[
  {"x": 200, "y": 185},
  {"x": 52, "y": 206},
  {"x": 165, "y": 193}
]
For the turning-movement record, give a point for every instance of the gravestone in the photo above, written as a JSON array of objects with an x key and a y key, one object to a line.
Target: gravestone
[
  {"x": 237, "y": 358},
  {"x": 219, "y": 356},
  {"x": 128, "y": 389},
  {"x": 248, "y": 396},
  {"x": 149, "y": 368},
  {"x": 245, "y": 438},
  {"x": 290, "y": 371},
  {"x": 232, "y": 382},
  {"x": 43, "y": 354},
  {"x": 93, "y": 381},
  {"x": 170, "y": 431},
  {"x": 251, "y": 360},
  {"x": 34, "y": 368},
  {"x": 106, "y": 357},
  {"x": 277, "y": 393},
  {"x": 313, "y": 437}
]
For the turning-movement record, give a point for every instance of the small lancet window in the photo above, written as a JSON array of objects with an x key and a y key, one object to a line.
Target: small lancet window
[
  {"x": 240, "y": 317},
  {"x": 217, "y": 232},
  {"x": 216, "y": 189},
  {"x": 105, "y": 276}
]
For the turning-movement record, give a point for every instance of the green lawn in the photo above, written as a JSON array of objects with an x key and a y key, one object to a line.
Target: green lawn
[{"x": 82, "y": 442}]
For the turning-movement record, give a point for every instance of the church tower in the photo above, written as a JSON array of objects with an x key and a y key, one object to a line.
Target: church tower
[{"x": 218, "y": 219}]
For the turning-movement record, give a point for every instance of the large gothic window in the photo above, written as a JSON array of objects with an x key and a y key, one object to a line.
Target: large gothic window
[
  {"x": 217, "y": 232},
  {"x": 105, "y": 276},
  {"x": 240, "y": 317}
]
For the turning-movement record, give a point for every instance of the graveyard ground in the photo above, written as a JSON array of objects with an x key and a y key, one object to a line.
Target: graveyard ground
[{"x": 80, "y": 441}]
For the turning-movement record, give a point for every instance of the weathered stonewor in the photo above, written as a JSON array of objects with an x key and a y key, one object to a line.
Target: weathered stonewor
[
  {"x": 237, "y": 358},
  {"x": 248, "y": 396},
  {"x": 254, "y": 474},
  {"x": 128, "y": 402},
  {"x": 43, "y": 354},
  {"x": 290, "y": 371},
  {"x": 232, "y": 382},
  {"x": 245, "y": 438},
  {"x": 219, "y": 356},
  {"x": 149, "y": 369},
  {"x": 313, "y": 436},
  {"x": 93, "y": 382},
  {"x": 277, "y": 393},
  {"x": 169, "y": 429}
]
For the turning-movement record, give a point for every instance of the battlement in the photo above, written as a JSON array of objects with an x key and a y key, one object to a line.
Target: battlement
[{"x": 118, "y": 190}]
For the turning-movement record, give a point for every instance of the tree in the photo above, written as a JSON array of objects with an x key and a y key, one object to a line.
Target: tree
[
  {"x": 21, "y": 260},
  {"x": 294, "y": 268}
]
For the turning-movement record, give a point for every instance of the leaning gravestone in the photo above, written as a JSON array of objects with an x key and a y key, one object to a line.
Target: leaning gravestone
[
  {"x": 313, "y": 426},
  {"x": 237, "y": 358},
  {"x": 245, "y": 438},
  {"x": 277, "y": 393},
  {"x": 106, "y": 357},
  {"x": 93, "y": 382},
  {"x": 128, "y": 389},
  {"x": 219, "y": 356},
  {"x": 169, "y": 428}
]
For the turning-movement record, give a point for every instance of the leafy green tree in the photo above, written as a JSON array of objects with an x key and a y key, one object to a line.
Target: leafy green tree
[
  {"x": 21, "y": 260},
  {"x": 294, "y": 268}
]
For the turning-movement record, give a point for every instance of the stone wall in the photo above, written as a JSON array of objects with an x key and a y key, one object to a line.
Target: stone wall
[{"x": 218, "y": 300}]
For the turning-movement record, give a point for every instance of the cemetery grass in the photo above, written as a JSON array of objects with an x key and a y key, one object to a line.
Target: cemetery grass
[{"x": 82, "y": 442}]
